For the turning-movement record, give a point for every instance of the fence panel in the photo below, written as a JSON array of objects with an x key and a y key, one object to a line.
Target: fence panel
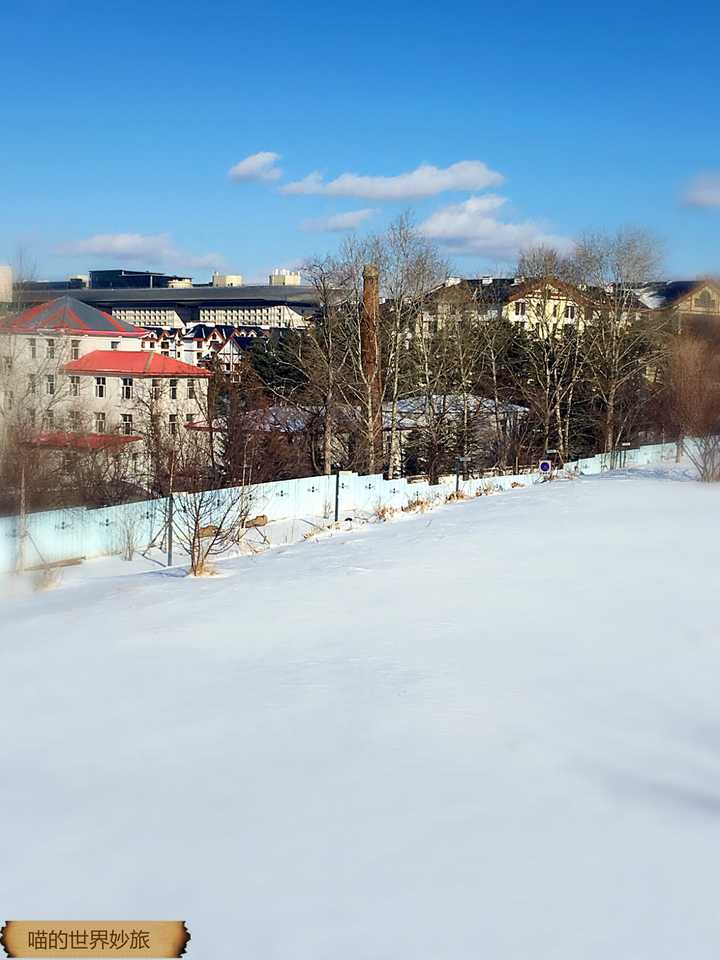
[{"x": 78, "y": 532}]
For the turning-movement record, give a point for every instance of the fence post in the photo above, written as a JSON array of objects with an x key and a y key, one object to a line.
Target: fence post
[
  {"x": 22, "y": 524},
  {"x": 171, "y": 511}
]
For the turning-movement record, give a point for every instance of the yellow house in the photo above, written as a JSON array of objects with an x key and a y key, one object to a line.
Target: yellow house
[{"x": 545, "y": 305}]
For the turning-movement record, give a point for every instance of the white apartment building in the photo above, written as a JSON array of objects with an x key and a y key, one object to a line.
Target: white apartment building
[
  {"x": 149, "y": 316},
  {"x": 257, "y": 315}
]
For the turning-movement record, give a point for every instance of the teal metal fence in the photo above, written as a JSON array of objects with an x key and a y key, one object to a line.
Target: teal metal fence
[{"x": 68, "y": 534}]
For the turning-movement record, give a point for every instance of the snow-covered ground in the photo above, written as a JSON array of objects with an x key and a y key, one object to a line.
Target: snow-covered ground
[{"x": 492, "y": 730}]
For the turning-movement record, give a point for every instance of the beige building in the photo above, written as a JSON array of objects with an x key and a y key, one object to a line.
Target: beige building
[
  {"x": 6, "y": 288},
  {"x": 226, "y": 279},
  {"x": 284, "y": 278}
]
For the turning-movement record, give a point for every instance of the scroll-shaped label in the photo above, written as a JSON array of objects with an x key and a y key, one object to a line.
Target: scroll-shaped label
[{"x": 94, "y": 938}]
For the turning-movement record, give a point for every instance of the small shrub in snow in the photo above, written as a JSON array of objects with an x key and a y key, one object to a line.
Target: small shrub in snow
[
  {"x": 419, "y": 505},
  {"x": 48, "y": 579},
  {"x": 488, "y": 490},
  {"x": 385, "y": 513}
]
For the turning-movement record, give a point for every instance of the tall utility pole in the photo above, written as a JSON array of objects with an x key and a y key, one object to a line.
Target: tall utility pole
[{"x": 370, "y": 359}]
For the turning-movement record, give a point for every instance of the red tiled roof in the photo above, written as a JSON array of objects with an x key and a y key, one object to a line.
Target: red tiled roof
[
  {"x": 133, "y": 363},
  {"x": 69, "y": 316},
  {"x": 82, "y": 441}
]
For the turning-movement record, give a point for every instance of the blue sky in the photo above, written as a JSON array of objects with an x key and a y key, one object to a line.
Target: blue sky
[{"x": 120, "y": 125}]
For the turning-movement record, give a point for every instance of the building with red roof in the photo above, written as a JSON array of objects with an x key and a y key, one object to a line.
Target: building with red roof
[
  {"x": 68, "y": 368},
  {"x": 68, "y": 317}
]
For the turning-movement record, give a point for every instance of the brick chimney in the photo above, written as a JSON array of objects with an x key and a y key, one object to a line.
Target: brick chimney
[{"x": 370, "y": 358}]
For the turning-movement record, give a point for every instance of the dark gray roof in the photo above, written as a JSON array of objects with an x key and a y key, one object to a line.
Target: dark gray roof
[
  {"x": 662, "y": 294},
  {"x": 300, "y": 298}
]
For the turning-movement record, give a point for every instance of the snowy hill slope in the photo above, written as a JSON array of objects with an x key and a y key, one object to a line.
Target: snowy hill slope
[{"x": 492, "y": 730}]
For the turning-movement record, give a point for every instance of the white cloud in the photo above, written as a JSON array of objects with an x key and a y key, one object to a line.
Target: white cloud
[
  {"x": 338, "y": 222},
  {"x": 425, "y": 181},
  {"x": 258, "y": 166},
  {"x": 471, "y": 227},
  {"x": 145, "y": 247},
  {"x": 704, "y": 191}
]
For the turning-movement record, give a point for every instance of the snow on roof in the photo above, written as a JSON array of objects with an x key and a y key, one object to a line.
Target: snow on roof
[
  {"x": 656, "y": 296},
  {"x": 132, "y": 364},
  {"x": 414, "y": 412}
]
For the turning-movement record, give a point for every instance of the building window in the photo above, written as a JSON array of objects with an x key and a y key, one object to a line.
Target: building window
[
  {"x": 520, "y": 308},
  {"x": 127, "y": 388},
  {"x": 114, "y": 344},
  {"x": 74, "y": 349},
  {"x": 704, "y": 301},
  {"x": 48, "y": 420},
  {"x": 74, "y": 420},
  {"x": 173, "y": 389},
  {"x": 74, "y": 386},
  {"x": 50, "y": 349},
  {"x": 7, "y": 364},
  {"x": 570, "y": 311},
  {"x": 172, "y": 424},
  {"x": 32, "y": 384},
  {"x": 100, "y": 387},
  {"x": 154, "y": 389},
  {"x": 99, "y": 423},
  {"x": 189, "y": 418},
  {"x": 127, "y": 423},
  {"x": 33, "y": 348},
  {"x": 31, "y": 418},
  {"x": 191, "y": 389},
  {"x": 50, "y": 384}
]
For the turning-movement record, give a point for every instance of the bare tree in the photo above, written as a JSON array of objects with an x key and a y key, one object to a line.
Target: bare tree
[
  {"x": 207, "y": 517},
  {"x": 693, "y": 393},
  {"x": 324, "y": 354},
  {"x": 543, "y": 260},
  {"x": 613, "y": 267},
  {"x": 410, "y": 269}
]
